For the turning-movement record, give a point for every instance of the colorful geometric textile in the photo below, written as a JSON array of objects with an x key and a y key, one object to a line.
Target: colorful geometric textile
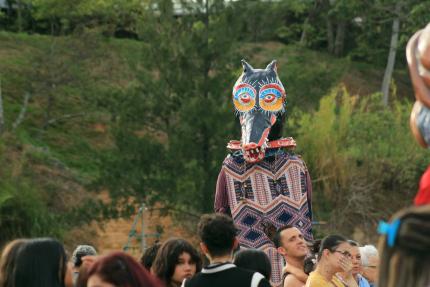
[{"x": 263, "y": 196}]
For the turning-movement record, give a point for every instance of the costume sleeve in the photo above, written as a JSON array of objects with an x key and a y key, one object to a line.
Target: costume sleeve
[{"x": 221, "y": 194}]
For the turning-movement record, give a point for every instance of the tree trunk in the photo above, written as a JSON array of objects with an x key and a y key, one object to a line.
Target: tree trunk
[
  {"x": 318, "y": 4},
  {"x": 330, "y": 36},
  {"x": 391, "y": 55},
  {"x": 303, "y": 36},
  {"x": 19, "y": 15},
  {"x": 21, "y": 114},
  {"x": 1, "y": 112},
  {"x": 340, "y": 38}
]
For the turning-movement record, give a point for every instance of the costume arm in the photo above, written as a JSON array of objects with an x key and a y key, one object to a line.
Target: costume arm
[{"x": 221, "y": 194}]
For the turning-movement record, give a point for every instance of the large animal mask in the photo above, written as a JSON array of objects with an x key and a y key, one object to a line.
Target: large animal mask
[
  {"x": 258, "y": 97},
  {"x": 418, "y": 56}
]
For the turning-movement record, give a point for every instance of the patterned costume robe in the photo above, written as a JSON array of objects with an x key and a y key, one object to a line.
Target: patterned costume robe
[{"x": 273, "y": 192}]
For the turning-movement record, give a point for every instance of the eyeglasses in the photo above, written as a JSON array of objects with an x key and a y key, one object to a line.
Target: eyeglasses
[
  {"x": 370, "y": 266},
  {"x": 344, "y": 253}
]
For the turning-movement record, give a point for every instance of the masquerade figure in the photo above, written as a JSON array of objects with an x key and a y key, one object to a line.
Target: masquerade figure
[
  {"x": 261, "y": 185},
  {"x": 418, "y": 56}
]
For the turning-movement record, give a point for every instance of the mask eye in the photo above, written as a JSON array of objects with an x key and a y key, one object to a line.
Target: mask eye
[
  {"x": 269, "y": 98},
  {"x": 272, "y": 98},
  {"x": 244, "y": 97}
]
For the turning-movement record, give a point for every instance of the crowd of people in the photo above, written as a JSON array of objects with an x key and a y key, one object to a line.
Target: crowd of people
[{"x": 402, "y": 259}]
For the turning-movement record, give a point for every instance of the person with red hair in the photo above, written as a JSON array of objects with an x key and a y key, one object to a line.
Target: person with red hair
[{"x": 118, "y": 269}]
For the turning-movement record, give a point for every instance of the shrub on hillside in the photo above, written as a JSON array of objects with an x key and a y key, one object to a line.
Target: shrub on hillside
[{"x": 362, "y": 158}]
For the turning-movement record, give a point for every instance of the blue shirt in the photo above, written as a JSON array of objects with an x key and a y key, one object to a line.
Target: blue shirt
[{"x": 362, "y": 282}]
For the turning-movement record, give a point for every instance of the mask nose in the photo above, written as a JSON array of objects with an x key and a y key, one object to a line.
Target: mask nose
[{"x": 250, "y": 146}]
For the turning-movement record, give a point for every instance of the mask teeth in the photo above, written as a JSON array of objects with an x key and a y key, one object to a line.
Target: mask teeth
[{"x": 264, "y": 145}]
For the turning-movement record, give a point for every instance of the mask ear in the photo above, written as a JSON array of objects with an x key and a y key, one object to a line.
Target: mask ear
[
  {"x": 246, "y": 67},
  {"x": 272, "y": 66}
]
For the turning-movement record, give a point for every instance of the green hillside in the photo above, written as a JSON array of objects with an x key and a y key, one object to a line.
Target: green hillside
[
  {"x": 49, "y": 159},
  {"x": 50, "y": 164}
]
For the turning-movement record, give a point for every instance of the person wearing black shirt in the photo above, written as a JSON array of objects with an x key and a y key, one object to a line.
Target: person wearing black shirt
[{"x": 218, "y": 240}]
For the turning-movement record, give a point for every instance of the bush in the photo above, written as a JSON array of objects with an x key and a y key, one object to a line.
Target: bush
[{"x": 363, "y": 160}]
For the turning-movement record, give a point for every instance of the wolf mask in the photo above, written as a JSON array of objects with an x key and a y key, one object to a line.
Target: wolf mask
[{"x": 259, "y": 100}]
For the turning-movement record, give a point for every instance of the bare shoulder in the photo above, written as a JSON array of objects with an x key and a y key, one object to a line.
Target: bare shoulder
[{"x": 292, "y": 281}]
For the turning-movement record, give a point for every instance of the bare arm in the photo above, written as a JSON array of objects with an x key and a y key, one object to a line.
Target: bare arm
[
  {"x": 297, "y": 272},
  {"x": 293, "y": 281}
]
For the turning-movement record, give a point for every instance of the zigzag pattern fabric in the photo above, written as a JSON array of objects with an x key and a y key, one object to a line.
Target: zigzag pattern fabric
[{"x": 269, "y": 194}]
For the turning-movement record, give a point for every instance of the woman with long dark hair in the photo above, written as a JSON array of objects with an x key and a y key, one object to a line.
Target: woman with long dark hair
[
  {"x": 8, "y": 262},
  {"x": 40, "y": 262},
  {"x": 176, "y": 260}
]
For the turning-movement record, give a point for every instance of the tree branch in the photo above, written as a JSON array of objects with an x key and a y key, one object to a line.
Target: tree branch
[
  {"x": 22, "y": 112},
  {"x": 62, "y": 118}
]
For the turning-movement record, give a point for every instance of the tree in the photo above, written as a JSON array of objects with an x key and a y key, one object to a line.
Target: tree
[
  {"x": 392, "y": 53},
  {"x": 171, "y": 132},
  {"x": 340, "y": 14},
  {"x": 63, "y": 16},
  {"x": 411, "y": 14}
]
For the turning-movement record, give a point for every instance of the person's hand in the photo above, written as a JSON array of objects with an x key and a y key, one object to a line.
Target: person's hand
[
  {"x": 345, "y": 263},
  {"x": 88, "y": 261}
]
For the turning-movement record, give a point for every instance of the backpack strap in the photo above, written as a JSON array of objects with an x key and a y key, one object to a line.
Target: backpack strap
[{"x": 256, "y": 278}]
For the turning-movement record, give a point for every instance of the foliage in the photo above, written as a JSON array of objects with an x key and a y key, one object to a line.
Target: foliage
[
  {"x": 47, "y": 163},
  {"x": 269, "y": 20},
  {"x": 171, "y": 131},
  {"x": 361, "y": 157},
  {"x": 63, "y": 17},
  {"x": 27, "y": 206}
]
